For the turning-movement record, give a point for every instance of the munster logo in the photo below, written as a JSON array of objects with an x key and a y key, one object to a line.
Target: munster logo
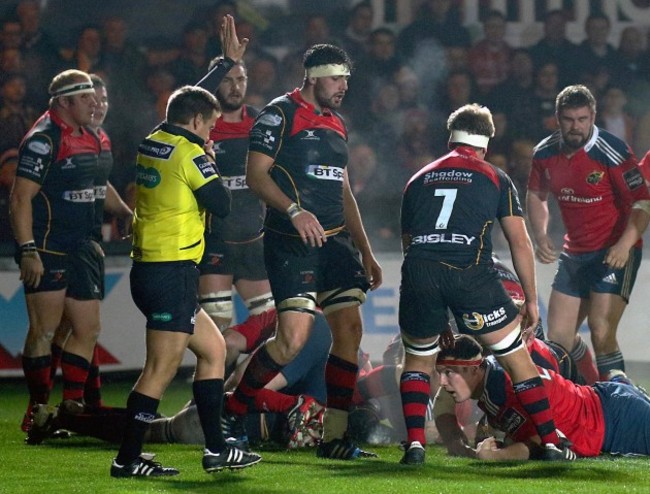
[{"x": 595, "y": 177}]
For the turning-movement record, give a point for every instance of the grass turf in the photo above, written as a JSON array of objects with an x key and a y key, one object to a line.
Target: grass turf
[{"x": 81, "y": 465}]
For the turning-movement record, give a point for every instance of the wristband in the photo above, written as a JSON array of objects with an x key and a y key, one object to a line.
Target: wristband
[
  {"x": 29, "y": 246},
  {"x": 293, "y": 210}
]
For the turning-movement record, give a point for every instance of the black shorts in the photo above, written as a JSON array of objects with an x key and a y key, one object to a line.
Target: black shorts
[
  {"x": 55, "y": 276},
  {"x": 85, "y": 273},
  {"x": 475, "y": 296},
  {"x": 244, "y": 261},
  {"x": 296, "y": 268},
  {"x": 166, "y": 293}
]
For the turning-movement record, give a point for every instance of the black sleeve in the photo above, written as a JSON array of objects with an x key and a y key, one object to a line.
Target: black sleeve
[
  {"x": 213, "y": 78},
  {"x": 215, "y": 197}
]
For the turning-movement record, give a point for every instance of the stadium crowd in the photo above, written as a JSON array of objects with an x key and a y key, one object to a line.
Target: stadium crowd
[
  {"x": 406, "y": 80},
  {"x": 421, "y": 116}
]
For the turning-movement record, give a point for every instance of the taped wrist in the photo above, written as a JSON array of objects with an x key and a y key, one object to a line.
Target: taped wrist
[{"x": 293, "y": 210}]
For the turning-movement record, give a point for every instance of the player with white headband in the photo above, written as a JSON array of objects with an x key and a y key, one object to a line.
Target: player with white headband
[
  {"x": 52, "y": 212},
  {"x": 316, "y": 250},
  {"x": 448, "y": 210}
]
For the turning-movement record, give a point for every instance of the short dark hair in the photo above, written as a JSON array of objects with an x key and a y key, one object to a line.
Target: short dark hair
[
  {"x": 324, "y": 54},
  {"x": 187, "y": 102},
  {"x": 465, "y": 348},
  {"x": 97, "y": 80},
  {"x": 472, "y": 118},
  {"x": 575, "y": 96}
]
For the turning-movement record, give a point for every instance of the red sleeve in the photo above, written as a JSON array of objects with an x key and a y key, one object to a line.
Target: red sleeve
[{"x": 537, "y": 180}]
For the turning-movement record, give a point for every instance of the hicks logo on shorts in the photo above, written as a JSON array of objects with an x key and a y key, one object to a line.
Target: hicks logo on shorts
[
  {"x": 595, "y": 177},
  {"x": 215, "y": 259},
  {"x": 161, "y": 316},
  {"x": 147, "y": 177},
  {"x": 476, "y": 321},
  {"x": 307, "y": 277},
  {"x": 325, "y": 172}
]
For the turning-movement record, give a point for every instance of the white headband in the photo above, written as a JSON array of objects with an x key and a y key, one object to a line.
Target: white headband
[
  {"x": 74, "y": 88},
  {"x": 328, "y": 70},
  {"x": 463, "y": 137}
]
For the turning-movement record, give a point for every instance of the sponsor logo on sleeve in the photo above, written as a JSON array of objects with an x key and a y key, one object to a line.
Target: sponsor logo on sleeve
[
  {"x": 205, "y": 166},
  {"x": 269, "y": 119},
  {"x": 39, "y": 146},
  {"x": 147, "y": 177},
  {"x": 155, "y": 149},
  {"x": 633, "y": 178}
]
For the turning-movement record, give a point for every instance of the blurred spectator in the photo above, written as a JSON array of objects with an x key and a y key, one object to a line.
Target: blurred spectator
[
  {"x": 263, "y": 80},
  {"x": 378, "y": 201},
  {"x": 555, "y": 47},
  {"x": 11, "y": 33},
  {"x": 518, "y": 85},
  {"x": 408, "y": 84},
  {"x": 489, "y": 58},
  {"x": 456, "y": 57},
  {"x": 378, "y": 67},
  {"x": 631, "y": 57},
  {"x": 39, "y": 52},
  {"x": 292, "y": 72},
  {"x": 215, "y": 17},
  {"x": 457, "y": 90},
  {"x": 124, "y": 63},
  {"x": 193, "y": 60},
  {"x": 85, "y": 55},
  {"x": 612, "y": 115},
  {"x": 160, "y": 83},
  {"x": 500, "y": 143},
  {"x": 359, "y": 26},
  {"x": 11, "y": 60},
  {"x": 415, "y": 144},
  {"x": 595, "y": 52},
  {"x": 520, "y": 160},
  {"x": 533, "y": 116},
  {"x": 437, "y": 19},
  {"x": 16, "y": 116},
  {"x": 8, "y": 163}
]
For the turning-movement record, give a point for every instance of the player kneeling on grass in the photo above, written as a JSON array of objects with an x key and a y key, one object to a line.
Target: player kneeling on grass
[{"x": 606, "y": 417}]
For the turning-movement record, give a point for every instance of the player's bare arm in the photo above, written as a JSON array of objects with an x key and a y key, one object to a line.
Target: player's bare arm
[
  {"x": 259, "y": 180},
  {"x": 619, "y": 253},
  {"x": 31, "y": 267},
  {"x": 521, "y": 249},
  {"x": 538, "y": 216}
]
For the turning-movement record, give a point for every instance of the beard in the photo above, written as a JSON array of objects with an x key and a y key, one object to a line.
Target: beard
[
  {"x": 230, "y": 104},
  {"x": 575, "y": 141}
]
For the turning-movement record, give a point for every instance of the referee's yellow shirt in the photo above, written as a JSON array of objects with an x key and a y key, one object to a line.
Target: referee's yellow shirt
[{"x": 168, "y": 222}]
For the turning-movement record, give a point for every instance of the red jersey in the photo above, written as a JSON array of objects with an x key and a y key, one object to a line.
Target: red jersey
[
  {"x": 595, "y": 188},
  {"x": 577, "y": 410}
]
